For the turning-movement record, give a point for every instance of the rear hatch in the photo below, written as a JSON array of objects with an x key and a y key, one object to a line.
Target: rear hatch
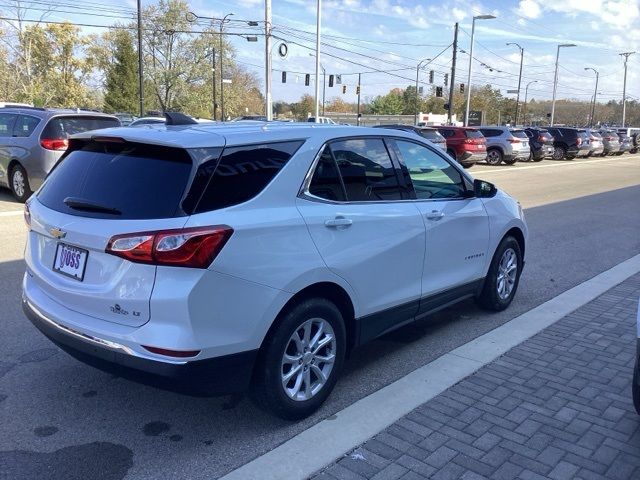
[
  {"x": 545, "y": 138},
  {"x": 520, "y": 140},
  {"x": 474, "y": 141},
  {"x": 99, "y": 190},
  {"x": 582, "y": 140}
]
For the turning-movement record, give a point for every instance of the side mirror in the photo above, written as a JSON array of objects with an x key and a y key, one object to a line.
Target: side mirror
[{"x": 482, "y": 189}]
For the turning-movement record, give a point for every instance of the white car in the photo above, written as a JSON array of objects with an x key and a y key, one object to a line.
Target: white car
[{"x": 218, "y": 257}]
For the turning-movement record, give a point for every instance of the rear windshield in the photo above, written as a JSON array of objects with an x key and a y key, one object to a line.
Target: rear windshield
[
  {"x": 519, "y": 134},
  {"x": 136, "y": 181},
  {"x": 596, "y": 135},
  {"x": 431, "y": 135},
  {"x": 63, "y": 127},
  {"x": 473, "y": 134}
]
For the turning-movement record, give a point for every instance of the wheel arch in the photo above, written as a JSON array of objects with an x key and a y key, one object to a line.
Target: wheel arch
[
  {"x": 330, "y": 291},
  {"x": 516, "y": 233}
]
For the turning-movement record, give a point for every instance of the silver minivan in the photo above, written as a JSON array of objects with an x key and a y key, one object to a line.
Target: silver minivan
[
  {"x": 505, "y": 144},
  {"x": 33, "y": 139}
]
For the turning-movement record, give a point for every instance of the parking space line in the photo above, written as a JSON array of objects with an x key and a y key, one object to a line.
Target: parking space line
[
  {"x": 322, "y": 444},
  {"x": 11, "y": 213},
  {"x": 563, "y": 164}
]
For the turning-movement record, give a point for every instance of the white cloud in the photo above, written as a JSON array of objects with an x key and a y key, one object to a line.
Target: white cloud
[{"x": 530, "y": 9}]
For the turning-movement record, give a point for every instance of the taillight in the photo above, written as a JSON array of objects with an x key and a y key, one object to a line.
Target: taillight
[
  {"x": 54, "y": 143},
  {"x": 193, "y": 247},
  {"x": 514, "y": 140},
  {"x": 579, "y": 141},
  {"x": 27, "y": 215}
]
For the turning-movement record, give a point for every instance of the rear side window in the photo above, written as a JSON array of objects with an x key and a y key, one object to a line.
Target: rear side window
[
  {"x": 6, "y": 124},
  {"x": 519, "y": 133},
  {"x": 326, "y": 182},
  {"x": 489, "y": 132},
  {"x": 25, "y": 125},
  {"x": 366, "y": 169},
  {"x": 243, "y": 172},
  {"x": 136, "y": 181},
  {"x": 474, "y": 133},
  {"x": 63, "y": 127}
]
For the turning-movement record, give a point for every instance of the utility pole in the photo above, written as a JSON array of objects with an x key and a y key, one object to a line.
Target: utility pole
[
  {"x": 519, "y": 80},
  {"x": 213, "y": 81},
  {"x": 267, "y": 55},
  {"x": 453, "y": 72},
  {"x": 359, "y": 90},
  {"x": 140, "y": 71},
  {"x": 624, "y": 87},
  {"x": 318, "y": 23},
  {"x": 222, "y": 115}
]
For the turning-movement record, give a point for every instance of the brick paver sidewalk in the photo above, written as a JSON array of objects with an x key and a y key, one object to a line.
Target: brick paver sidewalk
[{"x": 557, "y": 406}]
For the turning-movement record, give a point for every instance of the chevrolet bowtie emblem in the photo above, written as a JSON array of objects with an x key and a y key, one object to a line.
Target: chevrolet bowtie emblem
[{"x": 57, "y": 233}]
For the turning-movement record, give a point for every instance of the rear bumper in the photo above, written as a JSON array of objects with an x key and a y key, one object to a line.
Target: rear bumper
[
  {"x": 214, "y": 376},
  {"x": 544, "y": 151},
  {"x": 469, "y": 158}
]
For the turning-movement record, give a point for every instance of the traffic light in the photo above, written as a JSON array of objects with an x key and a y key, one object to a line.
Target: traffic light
[
  {"x": 358, "y": 90},
  {"x": 344, "y": 89},
  {"x": 284, "y": 77},
  {"x": 462, "y": 88},
  {"x": 446, "y": 79},
  {"x": 307, "y": 80},
  {"x": 438, "y": 91},
  {"x": 331, "y": 80},
  {"x": 446, "y": 106},
  {"x": 431, "y": 76}
]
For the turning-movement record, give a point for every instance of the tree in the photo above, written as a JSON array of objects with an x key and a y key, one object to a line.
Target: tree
[
  {"x": 121, "y": 84},
  {"x": 390, "y": 104},
  {"x": 304, "y": 108}
]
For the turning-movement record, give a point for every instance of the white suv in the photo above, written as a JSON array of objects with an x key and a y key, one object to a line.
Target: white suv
[{"x": 209, "y": 258}]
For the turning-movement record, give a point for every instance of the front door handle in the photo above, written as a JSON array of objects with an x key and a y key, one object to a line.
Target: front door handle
[
  {"x": 338, "y": 222},
  {"x": 434, "y": 215}
]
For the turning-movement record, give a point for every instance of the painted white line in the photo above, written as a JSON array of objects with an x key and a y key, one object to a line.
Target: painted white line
[
  {"x": 12, "y": 213},
  {"x": 566, "y": 163},
  {"x": 325, "y": 442}
]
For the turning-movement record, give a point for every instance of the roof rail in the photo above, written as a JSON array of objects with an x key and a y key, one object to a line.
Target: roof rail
[
  {"x": 25, "y": 107},
  {"x": 177, "y": 118}
]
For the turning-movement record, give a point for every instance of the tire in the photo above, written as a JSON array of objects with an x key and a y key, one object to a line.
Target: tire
[
  {"x": 494, "y": 156},
  {"x": 538, "y": 159},
  {"x": 490, "y": 298},
  {"x": 510, "y": 161},
  {"x": 19, "y": 183},
  {"x": 270, "y": 390},
  {"x": 559, "y": 153},
  {"x": 635, "y": 387}
]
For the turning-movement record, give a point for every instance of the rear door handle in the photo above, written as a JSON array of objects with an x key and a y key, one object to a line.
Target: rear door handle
[
  {"x": 338, "y": 222},
  {"x": 434, "y": 215}
]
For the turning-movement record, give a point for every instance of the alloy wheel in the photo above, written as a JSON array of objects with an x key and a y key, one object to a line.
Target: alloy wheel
[
  {"x": 493, "y": 157},
  {"x": 558, "y": 153},
  {"x": 18, "y": 183},
  {"x": 308, "y": 359},
  {"x": 507, "y": 273}
]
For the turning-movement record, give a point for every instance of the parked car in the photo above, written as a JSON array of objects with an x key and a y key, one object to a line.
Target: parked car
[
  {"x": 610, "y": 141},
  {"x": 634, "y": 134},
  {"x": 596, "y": 143},
  {"x": 325, "y": 120},
  {"x": 540, "y": 143},
  {"x": 244, "y": 256},
  {"x": 626, "y": 143},
  {"x": 464, "y": 144},
  {"x": 569, "y": 142},
  {"x": 430, "y": 133},
  {"x": 635, "y": 385},
  {"x": 33, "y": 139},
  {"x": 505, "y": 144},
  {"x": 257, "y": 118},
  {"x": 125, "y": 118}
]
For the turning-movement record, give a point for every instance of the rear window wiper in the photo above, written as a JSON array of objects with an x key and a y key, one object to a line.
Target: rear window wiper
[{"x": 89, "y": 206}]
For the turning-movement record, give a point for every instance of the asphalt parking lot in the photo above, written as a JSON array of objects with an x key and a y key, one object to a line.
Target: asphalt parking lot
[{"x": 59, "y": 416}]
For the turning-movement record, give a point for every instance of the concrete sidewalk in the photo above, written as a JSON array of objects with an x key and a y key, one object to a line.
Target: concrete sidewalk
[{"x": 557, "y": 406}]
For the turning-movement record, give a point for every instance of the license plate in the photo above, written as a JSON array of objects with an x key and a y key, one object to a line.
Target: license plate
[{"x": 70, "y": 261}]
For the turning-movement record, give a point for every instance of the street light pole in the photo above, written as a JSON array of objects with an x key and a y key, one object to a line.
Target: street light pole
[
  {"x": 624, "y": 87},
  {"x": 224, "y": 19},
  {"x": 318, "y": 23},
  {"x": 140, "y": 69},
  {"x": 213, "y": 82},
  {"x": 519, "y": 79},
  {"x": 268, "y": 102},
  {"x": 473, "y": 30},
  {"x": 526, "y": 93},
  {"x": 324, "y": 86},
  {"x": 555, "y": 81},
  {"x": 595, "y": 95},
  {"x": 415, "y": 114}
]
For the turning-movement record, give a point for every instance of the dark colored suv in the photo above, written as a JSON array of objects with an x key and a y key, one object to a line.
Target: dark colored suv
[
  {"x": 569, "y": 143},
  {"x": 33, "y": 139},
  {"x": 466, "y": 145},
  {"x": 540, "y": 143},
  {"x": 429, "y": 133}
]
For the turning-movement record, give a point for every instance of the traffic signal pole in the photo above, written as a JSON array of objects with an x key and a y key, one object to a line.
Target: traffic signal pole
[
  {"x": 359, "y": 90},
  {"x": 453, "y": 72}
]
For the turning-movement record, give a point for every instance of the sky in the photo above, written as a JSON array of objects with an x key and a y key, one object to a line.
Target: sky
[{"x": 386, "y": 39}]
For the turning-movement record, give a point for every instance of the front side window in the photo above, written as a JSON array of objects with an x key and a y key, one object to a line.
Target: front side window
[
  {"x": 25, "y": 125},
  {"x": 432, "y": 176},
  {"x": 6, "y": 124},
  {"x": 366, "y": 169}
]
